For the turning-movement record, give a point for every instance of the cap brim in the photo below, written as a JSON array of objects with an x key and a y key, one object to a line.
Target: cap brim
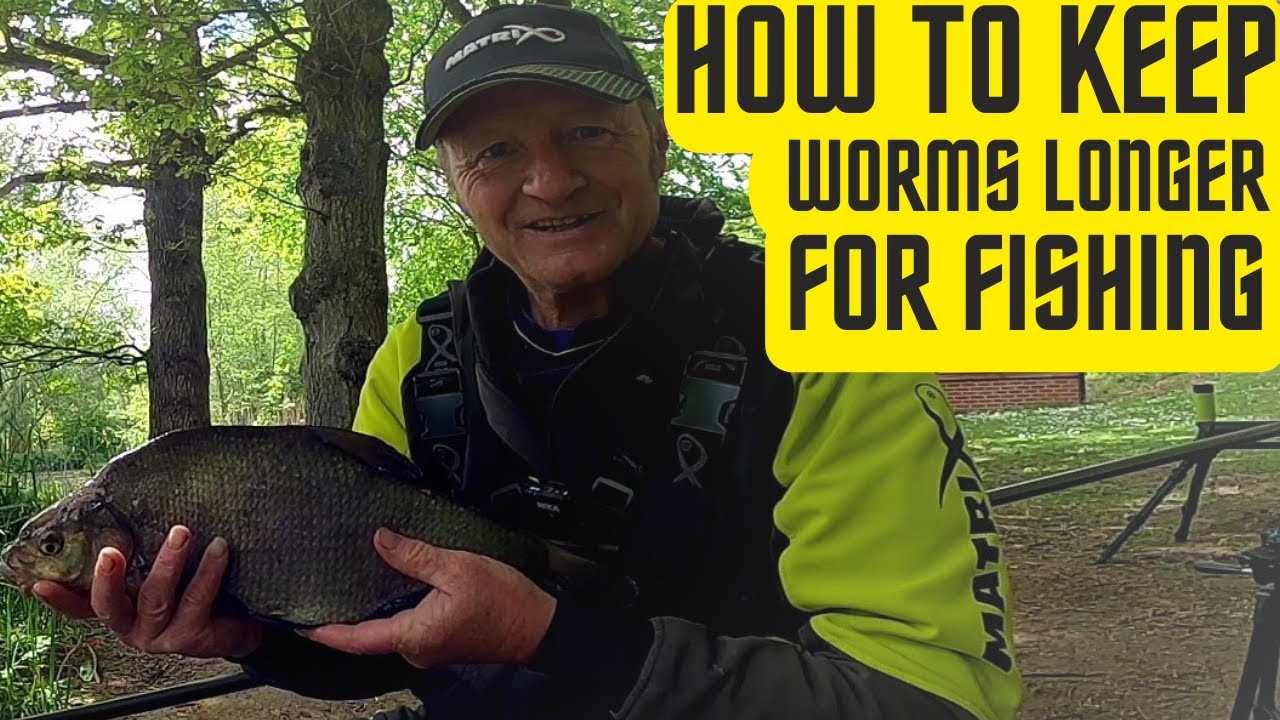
[{"x": 607, "y": 85}]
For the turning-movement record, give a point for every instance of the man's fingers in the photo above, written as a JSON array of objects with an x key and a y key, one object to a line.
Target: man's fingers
[
  {"x": 156, "y": 596},
  {"x": 195, "y": 607},
  {"x": 372, "y": 637},
  {"x": 64, "y": 600},
  {"x": 108, "y": 597},
  {"x": 416, "y": 559}
]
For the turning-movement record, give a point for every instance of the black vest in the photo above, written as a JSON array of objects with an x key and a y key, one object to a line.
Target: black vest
[{"x": 659, "y": 457}]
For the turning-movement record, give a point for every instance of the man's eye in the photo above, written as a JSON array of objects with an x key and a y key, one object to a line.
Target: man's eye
[
  {"x": 588, "y": 132},
  {"x": 495, "y": 150}
]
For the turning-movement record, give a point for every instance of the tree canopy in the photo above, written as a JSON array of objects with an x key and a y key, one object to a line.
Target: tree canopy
[{"x": 109, "y": 95}]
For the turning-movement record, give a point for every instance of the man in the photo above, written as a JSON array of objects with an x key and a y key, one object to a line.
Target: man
[{"x": 815, "y": 546}]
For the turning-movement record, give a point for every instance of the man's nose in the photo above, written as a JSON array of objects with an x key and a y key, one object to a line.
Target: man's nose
[{"x": 552, "y": 175}]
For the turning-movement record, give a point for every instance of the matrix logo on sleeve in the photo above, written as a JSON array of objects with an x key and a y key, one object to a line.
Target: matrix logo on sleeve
[
  {"x": 982, "y": 529},
  {"x": 518, "y": 33}
]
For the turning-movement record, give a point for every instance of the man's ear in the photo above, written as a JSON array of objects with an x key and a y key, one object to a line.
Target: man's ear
[{"x": 661, "y": 145}]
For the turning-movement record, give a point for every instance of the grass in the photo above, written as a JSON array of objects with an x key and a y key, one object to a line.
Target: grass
[
  {"x": 1126, "y": 415},
  {"x": 38, "y": 646}
]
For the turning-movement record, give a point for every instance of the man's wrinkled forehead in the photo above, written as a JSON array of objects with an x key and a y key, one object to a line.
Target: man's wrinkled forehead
[{"x": 514, "y": 105}]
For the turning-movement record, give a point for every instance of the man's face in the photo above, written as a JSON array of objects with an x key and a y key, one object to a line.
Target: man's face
[{"x": 562, "y": 186}]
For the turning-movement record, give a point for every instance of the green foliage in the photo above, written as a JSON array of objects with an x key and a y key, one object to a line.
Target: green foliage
[
  {"x": 253, "y": 251},
  {"x": 158, "y": 69},
  {"x": 39, "y": 649},
  {"x": 36, "y": 216},
  {"x": 20, "y": 316},
  {"x": 62, "y": 387}
]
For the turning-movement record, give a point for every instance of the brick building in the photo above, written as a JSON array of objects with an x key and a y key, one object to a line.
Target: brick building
[{"x": 971, "y": 392}]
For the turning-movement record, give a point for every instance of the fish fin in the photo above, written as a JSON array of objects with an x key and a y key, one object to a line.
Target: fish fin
[
  {"x": 282, "y": 622},
  {"x": 583, "y": 578},
  {"x": 373, "y": 451}
]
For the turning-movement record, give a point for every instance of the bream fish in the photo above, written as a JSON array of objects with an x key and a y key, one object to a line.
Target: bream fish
[{"x": 298, "y": 507}]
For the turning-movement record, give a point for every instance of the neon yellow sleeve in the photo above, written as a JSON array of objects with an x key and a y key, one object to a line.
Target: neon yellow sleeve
[
  {"x": 380, "y": 412},
  {"x": 891, "y": 540}
]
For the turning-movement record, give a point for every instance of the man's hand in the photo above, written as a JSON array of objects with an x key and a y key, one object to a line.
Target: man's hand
[
  {"x": 479, "y": 611},
  {"x": 161, "y": 623}
]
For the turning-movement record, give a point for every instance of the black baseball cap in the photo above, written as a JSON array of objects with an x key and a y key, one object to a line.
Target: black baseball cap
[{"x": 550, "y": 43}]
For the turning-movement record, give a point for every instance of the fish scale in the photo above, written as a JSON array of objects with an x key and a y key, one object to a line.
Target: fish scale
[{"x": 298, "y": 507}]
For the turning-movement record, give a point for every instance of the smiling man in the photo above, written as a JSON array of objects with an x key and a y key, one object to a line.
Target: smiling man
[{"x": 808, "y": 546}]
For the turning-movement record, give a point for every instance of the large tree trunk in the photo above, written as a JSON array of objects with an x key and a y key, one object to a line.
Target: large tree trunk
[
  {"x": 178, "y": 358},
  {"x": 341, "y": 295}
]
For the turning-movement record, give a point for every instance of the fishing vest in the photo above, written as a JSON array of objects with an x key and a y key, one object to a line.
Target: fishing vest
[
  {"x": 708, "y": 391},
  {"x": 715, "y": 380}
]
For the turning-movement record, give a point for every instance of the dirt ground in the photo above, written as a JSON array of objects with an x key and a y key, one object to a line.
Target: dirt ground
[{"x": 1144, "y": 636}]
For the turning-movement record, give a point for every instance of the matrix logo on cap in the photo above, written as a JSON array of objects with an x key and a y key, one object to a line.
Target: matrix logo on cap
[{"x": 518, "y": 33}]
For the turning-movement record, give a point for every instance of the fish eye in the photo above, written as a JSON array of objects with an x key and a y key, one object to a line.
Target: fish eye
[{"x": 51, "y": 544}]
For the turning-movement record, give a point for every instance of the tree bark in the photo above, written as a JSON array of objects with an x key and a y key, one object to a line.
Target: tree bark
[
  {"x": 340, "y": 297},
  {"x": 178, "y": 359}
]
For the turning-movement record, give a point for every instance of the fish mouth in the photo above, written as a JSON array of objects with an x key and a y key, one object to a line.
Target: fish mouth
[
  {"x": 10, "y": 573},
  {"x": 9, "y": 578}
]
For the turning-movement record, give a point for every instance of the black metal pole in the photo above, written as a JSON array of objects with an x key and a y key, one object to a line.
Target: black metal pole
[
  {"x": 1147, "y": 510},
  {"x": 1193, "y": 499},
  {"x": 155, "y": 699},
  {"x": 1256, "y": 693},
  {"x": 1083, "y": 476}
]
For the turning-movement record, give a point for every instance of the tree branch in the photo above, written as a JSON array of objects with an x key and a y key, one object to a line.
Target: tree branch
[
  {"x": 242, "y": 129},
  {"x": 60, "y": 49},
  {"x": 249, "y": 53},
  {"x": 94, "y": 174},
  {"x": 48, "y": 357},
  {"x": 60, "y": 107},
  {"x": 458, "y": 11},
  {"x": 284, "y": 109},
  {"x": 277, "y": 198},
  {"x": 250, "y": 65},
  {"x": 275, "y": 27},
  {"x": 22, "y": 61},
  {"x": 413, "y": 57}
]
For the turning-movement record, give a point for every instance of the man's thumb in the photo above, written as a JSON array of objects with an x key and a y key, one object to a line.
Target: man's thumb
[
  {"x": 414, "y": 558},
  {"x": 389, "y": 540}
]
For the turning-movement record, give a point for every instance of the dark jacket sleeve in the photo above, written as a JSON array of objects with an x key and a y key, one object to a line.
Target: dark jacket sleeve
[
  {"x": 291, "y": 662},
  {"x": 687, "y": 671},
  {"x": 893, "y": 556}
]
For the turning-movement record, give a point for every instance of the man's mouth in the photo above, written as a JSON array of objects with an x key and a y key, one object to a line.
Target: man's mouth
[{"x": 563, "y": 223}]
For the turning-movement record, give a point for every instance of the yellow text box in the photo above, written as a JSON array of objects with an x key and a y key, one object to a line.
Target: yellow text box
[{"x": 1010, "y": 187}]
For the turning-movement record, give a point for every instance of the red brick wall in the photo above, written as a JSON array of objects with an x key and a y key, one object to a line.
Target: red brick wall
[{"x": 970, "y": 392}]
